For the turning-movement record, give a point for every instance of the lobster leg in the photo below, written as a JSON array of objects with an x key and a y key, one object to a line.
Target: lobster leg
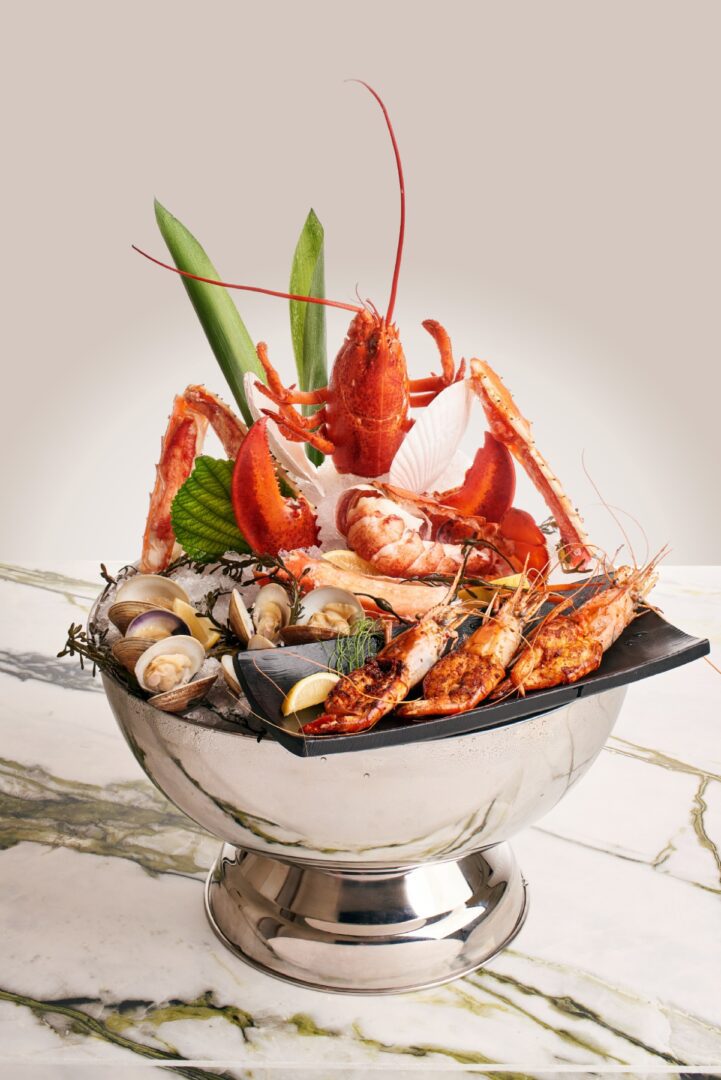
[
  {"x": 425, "y": 390},
  {"x": 280, "y": 394},
  {"x": 289, "y": 420}
]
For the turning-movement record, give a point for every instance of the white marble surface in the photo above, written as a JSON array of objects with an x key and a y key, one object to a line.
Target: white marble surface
[{"x": 108, "y": 968}]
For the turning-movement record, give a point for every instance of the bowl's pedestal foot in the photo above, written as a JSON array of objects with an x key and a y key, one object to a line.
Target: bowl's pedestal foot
[{"x": 379, "y": 931}]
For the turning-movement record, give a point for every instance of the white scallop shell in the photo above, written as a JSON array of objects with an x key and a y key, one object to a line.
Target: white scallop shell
[
  {"x": 433, "y": 439},
  {"x": 190, "y": 646}
]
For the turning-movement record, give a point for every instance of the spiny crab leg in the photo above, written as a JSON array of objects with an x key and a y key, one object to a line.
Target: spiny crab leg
[
  {"x": 510, "y": 427},
  {"x": 182, "y": 442}
]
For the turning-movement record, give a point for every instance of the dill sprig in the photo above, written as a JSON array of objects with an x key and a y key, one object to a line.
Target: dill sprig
[{"x": 352, "y": 650}]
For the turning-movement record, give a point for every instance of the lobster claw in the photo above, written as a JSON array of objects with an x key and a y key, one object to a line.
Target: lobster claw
[
  {"x": 268, "y": 521},
  {"x": 489, "y": 485},
  {"x": 528, "y": 540}
]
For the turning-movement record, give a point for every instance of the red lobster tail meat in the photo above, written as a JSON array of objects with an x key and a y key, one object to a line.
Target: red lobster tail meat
[
  {"x": 489, "y": 485},
  {"x": 510, "y": 427},
  {"x": 268, "y": 521}
]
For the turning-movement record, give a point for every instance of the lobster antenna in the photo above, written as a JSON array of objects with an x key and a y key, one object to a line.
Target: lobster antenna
[
  {"x": 402, "y": 228},
  {"x": 248, "y": 288}
]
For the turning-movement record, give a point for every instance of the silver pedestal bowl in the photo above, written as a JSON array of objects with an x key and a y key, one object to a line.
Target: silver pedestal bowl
[{"x": 377, "y": 871}]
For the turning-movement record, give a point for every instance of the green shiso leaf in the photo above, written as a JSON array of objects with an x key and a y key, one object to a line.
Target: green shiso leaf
[
  {"x": 223, "y": 326},
  {"x": 307, "y": 321},
  {"x": 202, "y": 513}
]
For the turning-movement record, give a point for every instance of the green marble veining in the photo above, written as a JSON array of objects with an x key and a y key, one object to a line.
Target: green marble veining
[
  {"x": 698, "y": 810},
  {"x": 34, "y": 667},
  {"x": 570, "y": 1007},
  {"x": 78, "y": 1021},
  {"x": 126, "y": 821},
  {"x": 647, "y": 754},
  {"x": 142, "y": 1026},
  {"x": 71, "y": 588}
]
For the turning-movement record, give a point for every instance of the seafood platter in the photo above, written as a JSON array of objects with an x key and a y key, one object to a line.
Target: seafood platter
[{"x": 348, "y": 653}]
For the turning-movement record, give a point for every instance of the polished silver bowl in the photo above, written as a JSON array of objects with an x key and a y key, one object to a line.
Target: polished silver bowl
[{"x": 375, "y": 871}]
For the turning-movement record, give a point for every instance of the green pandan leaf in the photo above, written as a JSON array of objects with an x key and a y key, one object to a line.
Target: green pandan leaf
[
  {"x": 223, "y": 326},
  {"x": 307, "y": 321},
  {"x": 202, "y": 514}
]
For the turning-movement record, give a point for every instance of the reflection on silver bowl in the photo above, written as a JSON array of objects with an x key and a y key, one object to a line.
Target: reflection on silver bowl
[{"x": 378, "y": 871}]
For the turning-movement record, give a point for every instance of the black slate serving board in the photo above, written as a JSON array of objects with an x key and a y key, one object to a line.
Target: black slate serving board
[{"x": 647, "y": 647}]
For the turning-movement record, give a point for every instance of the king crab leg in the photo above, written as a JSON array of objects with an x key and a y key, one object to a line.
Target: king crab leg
[
  {"x": 510, "y": 427},
  {"x": 182, "y": 442}
]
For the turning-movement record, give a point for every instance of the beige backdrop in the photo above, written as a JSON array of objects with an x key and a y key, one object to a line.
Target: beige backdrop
[{"x": 562, "y": 164}]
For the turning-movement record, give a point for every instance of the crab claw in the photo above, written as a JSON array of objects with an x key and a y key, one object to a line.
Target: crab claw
[
  {"x": 268, "y": 521},
  {"x": 489, "y": 485},
  {"x": 511, "y": 428}
]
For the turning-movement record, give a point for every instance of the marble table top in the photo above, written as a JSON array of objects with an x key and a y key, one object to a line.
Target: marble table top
[{"x": 109, "y": 969}]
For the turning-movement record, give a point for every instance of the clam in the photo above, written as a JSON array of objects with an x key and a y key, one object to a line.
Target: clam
[
  {"x": 271, "y": 612},
  {"x": 228, "y": 669},
  {"x": 143, "y": 592},
  {"x": 329, "y": 612},
  {"x": 165, "y": 665},
  {"x": 156, "y": 624},
  {"x": 128, "y": 651},
  {"x": 181, "y": 697},
  {"x": 239, "y": 618}
]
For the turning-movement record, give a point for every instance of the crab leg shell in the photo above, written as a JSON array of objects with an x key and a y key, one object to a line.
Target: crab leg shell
[
  {"x": 510, "y": 427},
  {"x": 230, "y": 430},
  {"x": 406, "y": 598},
  {"x": 182, "y": 441}
]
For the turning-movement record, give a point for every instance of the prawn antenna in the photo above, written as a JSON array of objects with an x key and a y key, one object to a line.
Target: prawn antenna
[
  {"x": 247, "y": 288},
  {"x": 401, "y": 182}
]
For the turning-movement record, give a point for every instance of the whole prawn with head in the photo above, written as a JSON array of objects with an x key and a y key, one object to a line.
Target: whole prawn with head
[{"x": 366, "y": 695}]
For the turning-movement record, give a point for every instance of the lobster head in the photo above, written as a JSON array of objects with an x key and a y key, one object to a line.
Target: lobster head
[{"x": 366, "y": 414}]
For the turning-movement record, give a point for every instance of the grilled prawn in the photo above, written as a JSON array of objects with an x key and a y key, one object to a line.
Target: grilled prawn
[
  {"x": 369, "y": 693},
  {"x": 566, "y": 647},
  {"x": 463, "y": 678}
]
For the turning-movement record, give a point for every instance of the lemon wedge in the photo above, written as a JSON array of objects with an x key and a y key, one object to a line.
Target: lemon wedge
[
  {"x": 199, "y": 625},
  {"x": 487, "y": 592},
  {"x": 348, "y": 560},
  {"x": 312, "y": 690}
]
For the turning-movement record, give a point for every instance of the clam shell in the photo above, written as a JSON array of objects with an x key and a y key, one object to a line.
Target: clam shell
[
  {"x": 188, "y": 646},
  {"x": 122, "y": 614},
  {"x": 433, "y": 439},
  {"x": 317, "y": 599},
  {"x": 175, "y": 701},
  {"x": 151, "y": 588},
  {"x": 299, "y": 634},
  {"x": 239, "y": 618},
  {"x": 156, "y": 625},
  {"x": 257, "y": 641},
  {"x": 226, "y": 665},
  {"x": 270, "y": 596},
  {"x": 128, "y": 651}
]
